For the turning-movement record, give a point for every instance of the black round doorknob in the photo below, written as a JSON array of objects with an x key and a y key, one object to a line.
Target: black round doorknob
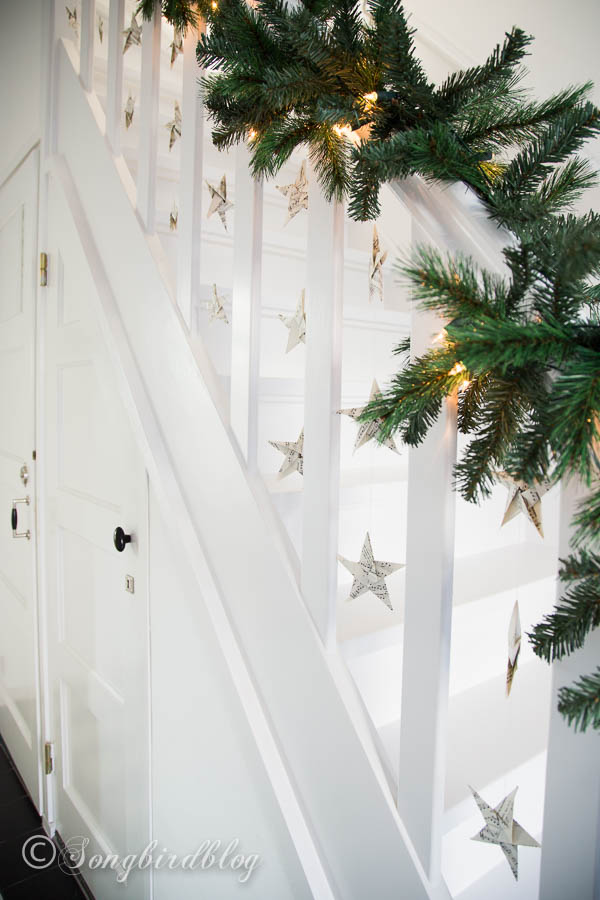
[{"x": 120, "y": 539}]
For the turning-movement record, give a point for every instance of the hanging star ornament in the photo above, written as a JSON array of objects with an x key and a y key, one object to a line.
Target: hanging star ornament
[
  {"x": 133, "y": 34},
  {"x": 370, "y": 574},
  {"x": 218, "y": 201},
  {"x": 524, "y": 498},
  {"x": 514, "y": 646},
  {"x": 502, "y": 829},
  {"x": 217, "y": 307},
  {"x": 375, "y": 268},
  {"x": 294, "y": 455},
  {"x": 72, "y": 19},
  {"x": 176, "y": 45},
  {"x": 174, "y": 125},
  {"x": 367, "y": 431},
  {"x": 129, "y": 110},
  {"x": 173, "y": 217},
  {"x": 100, "y": 28},
  {"x": 296, "y": 325},
  {"x": 296, "y": 193}
]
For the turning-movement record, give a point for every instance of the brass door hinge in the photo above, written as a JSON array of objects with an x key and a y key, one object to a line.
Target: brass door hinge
[
  {"x": 43, "y": 269},
  {"x": 48, "y": 757}
]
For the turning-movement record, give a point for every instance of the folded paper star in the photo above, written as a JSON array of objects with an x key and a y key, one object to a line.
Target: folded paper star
[
  {"x": 370, "y": 574},
  {"x": 133, "y": 34},
  {"x": 524, "y": 498},
  {"x": 502, "y": 829},
  {"x": 176, "y": 45},
  {"x": 174, "y": 125},
  {"x": 296, "y": 193},
  {"x": 375, "y": 268},
  {"x": 100, "y": 28},
  {"x": 296, "y": 325},
  {"x": 129, "y": 110},
  {"x": 218, "y": 201},
  {"x": 72, "y": 19},
  {"x": 294, "y": 455},
  {"x": 514, "y": 646},
  {"x": 368, "y": 430},
  {"x": 217, "y": 307},
  {"x": 173, "y": 217}
]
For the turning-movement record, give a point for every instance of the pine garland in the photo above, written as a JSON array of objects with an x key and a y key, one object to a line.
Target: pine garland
[{"x": 523, "y": 351}]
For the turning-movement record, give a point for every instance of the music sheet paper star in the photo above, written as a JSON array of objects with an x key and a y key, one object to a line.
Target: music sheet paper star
[
  {"x": 217, "y": 307},
  {"x": 296, "y": 193},
  {"x": 174, "y": 125},
  {"x": 296, "y": 325},
  {"x": 218, "y": 201},
  {"x": 100, "y": 28},
  {"x": 502, "y": 829},
  {"x": 176, "y": 45},
  {"x": 173, "y": 217},
  {"x": 370, "y": 573},
  {"x": 368, "y": 430},
  {"x": 514, "y": 646},
  {"x": 294, "y": 455},
  {"x": 133, "y": 34},
  {"x": 129, "y": 110},
  {"x": 524, "y": 498},
  {"x": 375, "y": 268},
  {"x": 72, "y": 19}
]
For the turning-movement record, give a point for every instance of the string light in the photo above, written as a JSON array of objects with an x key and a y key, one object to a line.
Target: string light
[
  {"x": 214, "y": 4},
  {"x": 371, "y": 98},
  {"x": 342, "y": 130},
  {"x": 457, "y": 369},
  {"x": 252, "y": 134}
]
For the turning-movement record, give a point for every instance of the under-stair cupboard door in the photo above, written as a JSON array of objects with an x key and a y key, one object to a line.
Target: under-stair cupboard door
[
  {"x": 19, "y": 682},
  {"x": 97, "y": 583}
]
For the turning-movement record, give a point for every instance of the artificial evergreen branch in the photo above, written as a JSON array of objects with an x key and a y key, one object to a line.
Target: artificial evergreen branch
[{"x": 580, "y": 703}]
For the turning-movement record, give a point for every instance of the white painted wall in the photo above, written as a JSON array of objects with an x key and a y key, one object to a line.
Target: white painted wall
[{"x": 20, "y": 79}]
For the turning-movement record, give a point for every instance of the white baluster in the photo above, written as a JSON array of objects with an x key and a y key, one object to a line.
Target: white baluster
[
  {"x": 114, "y": 74},
  {"x": 245, "y": 337},
  {"x": 427, "y": 617},
  {"x": 570, "y": 864},
  {"x": 190, "y": 200},
  {"x": 146, "y": 175},
  {"x": 324, "y": 315},
  {"x": 86, "y": 52}
]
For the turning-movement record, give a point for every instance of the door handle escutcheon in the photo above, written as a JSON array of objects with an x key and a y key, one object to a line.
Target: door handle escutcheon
[{"x": 14, "y": 519}]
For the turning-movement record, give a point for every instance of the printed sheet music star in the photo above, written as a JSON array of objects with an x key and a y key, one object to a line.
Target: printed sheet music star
[
  {"x": 129, "y": 111},
  {"x": 375, "y": 268},
  {"x": 294, "y": 455},
  {"x": 217, "y": 307},
  {"x": 296, "y": 325},
  {"x": 502, "y": 829},
  {"x": 514, "y": 646},
  {"x": 296, "y": 193},
  {"x": 176, "y": 45},
  {"x": 370, "y": 574},
  {"x": 218, "y": 201},
  {"x": 174, "y": 125},
  {"x": 367, "y": 431},
  {"x": 133, "y": 34},
  {"x": 72, "y": 19},
  {"x": 524, "y": 498}
]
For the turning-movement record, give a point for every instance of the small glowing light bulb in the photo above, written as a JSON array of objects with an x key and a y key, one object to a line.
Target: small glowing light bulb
[
  {"x": 214, "y": 4},
  {"x": 342, "y": 130},
  {"x": 252, "y": 134},
  {"x": 457, "y": 368},
  {"x": 371, "y": 97}
]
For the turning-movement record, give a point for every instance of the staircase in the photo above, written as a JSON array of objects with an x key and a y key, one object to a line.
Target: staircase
[{"x": 369, "y": 748}]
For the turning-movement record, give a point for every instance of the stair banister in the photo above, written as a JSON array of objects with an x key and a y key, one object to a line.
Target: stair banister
[
  {"x": 114, "y": 74},
  {"x": 148, "y": 142}
]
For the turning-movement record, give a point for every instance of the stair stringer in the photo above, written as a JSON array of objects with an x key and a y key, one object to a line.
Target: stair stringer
[{"x": 331, "y": 795}]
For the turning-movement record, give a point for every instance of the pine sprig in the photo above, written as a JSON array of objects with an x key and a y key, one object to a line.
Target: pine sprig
[{"x": 580, "y": 703}]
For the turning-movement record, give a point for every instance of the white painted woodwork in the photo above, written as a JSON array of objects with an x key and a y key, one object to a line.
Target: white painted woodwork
[
  {"x": 246, "y": 306},
  {"x": 150, "y": 84},
  {"x": 19, "y": 686},
  {"x": 324, "y": 312},
  {"x": 427, "y": 618},
  {"x": 86, "y": 53},
  {"x": 114, "y": 75},
  {"x": 571, "y": 833},
  {"x": 190, "y": 200},
  {"x": 290, "y": 694},
  {"x": 97, "y": 631}
]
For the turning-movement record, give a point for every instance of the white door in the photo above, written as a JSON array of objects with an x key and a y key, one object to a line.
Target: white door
[
  {"x": 19, "y": 695},
  {"x": 97, "y": 595}
]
